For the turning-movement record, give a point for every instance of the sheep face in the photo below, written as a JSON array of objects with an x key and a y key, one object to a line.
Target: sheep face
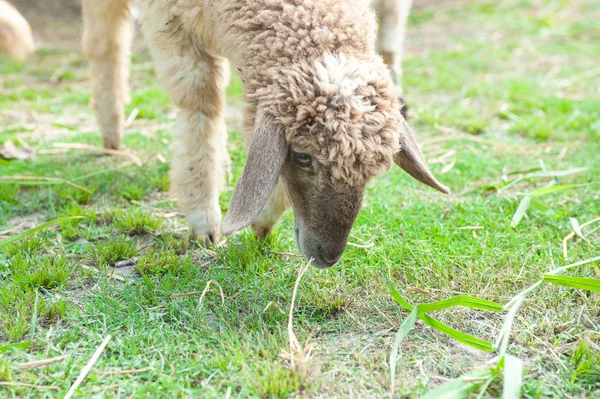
[
  {"x": 326, "y": 130},
  {"x": 324, "y": 209}
]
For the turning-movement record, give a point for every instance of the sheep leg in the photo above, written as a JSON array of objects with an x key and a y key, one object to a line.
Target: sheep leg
[
  {"x": 108, "y": 31},
  {"x": 195, "y": 78},
  {"x": 197, "y": 173},
  {"x": 393, "y": 15},
  {"x": 277, "y": 204}
]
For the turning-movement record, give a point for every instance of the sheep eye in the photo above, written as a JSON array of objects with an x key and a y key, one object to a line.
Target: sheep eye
[{"x": 302, "y": 159}]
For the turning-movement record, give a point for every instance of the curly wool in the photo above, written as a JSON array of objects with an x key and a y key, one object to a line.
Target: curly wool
[
  {"x": 343, "y": 112},
  {"x": 312, "y": 64}
]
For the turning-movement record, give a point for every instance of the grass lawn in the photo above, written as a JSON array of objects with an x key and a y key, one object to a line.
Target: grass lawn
[{"x": 496, "y": 89}]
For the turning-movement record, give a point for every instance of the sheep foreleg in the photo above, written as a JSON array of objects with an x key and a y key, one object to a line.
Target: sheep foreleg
[
  {"x": 277, "y": 204},
  {"x": 108, "y": 31}
]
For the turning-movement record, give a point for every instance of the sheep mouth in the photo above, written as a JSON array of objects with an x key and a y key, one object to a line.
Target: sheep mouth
[{"x": 315, "y": 252}]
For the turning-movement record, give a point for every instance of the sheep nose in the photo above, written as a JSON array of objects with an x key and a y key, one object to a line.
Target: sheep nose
[{"x": 327, "y": 258}]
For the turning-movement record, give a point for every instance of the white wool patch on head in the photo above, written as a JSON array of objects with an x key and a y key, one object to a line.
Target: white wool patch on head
[{"x": 341, "y": 76}]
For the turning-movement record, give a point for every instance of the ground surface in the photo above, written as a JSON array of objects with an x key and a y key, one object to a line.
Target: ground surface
[{"x": 522, "y": 75}]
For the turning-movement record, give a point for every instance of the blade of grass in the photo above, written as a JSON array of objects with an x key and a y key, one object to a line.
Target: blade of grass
[
  {"x": 438, "y": 325},
  {"x": 504, "y": 334},
  {"x": 589, "y": 284},
  {"x": 102, "y": 171},
  {"x": 555, "y": 174},
  {"x": 406, "y": 326},
  {"x": 34, "y": 316},
  {"x": 548, "y": 190},
  {"x": 459, "y": 336},
  {"x": 17, "y": 345},
  {"x": 34, "y": 230},
  {"x": 460, "y": 387},
  {"x": 523, "y": 206},
  {"x": 522, "y": 294},
  {"x": 485, "y": 386},
  {"x": 572, "y": 234},
  {"x": 398, "y": 298},
  {"x": 84, "y": 372},
  {"x": 41, "y": 180},
  {"x": 525, "y": 171},
  {"x": 572, "y": 265},
  {"x": 541, "y": 206},
  {"x": 461, "y": 300},
  {"x": 576, "y": 227}
]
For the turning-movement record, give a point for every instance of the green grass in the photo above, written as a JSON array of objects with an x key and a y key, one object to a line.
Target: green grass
[{"x": 520, "y": 73}]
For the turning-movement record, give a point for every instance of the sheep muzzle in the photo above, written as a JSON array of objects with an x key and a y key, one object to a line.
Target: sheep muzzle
[{"x": 324, "y": 212}]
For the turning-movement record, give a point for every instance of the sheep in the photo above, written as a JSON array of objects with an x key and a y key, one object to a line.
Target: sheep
[
  {"x": 322, "y": 118},
  {"x": 16, "y": 39}
]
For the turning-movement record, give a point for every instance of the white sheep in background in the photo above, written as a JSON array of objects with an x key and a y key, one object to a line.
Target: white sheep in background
[
  {"x": 323, "y": 114},
  {"x": 16, "y": 39}
]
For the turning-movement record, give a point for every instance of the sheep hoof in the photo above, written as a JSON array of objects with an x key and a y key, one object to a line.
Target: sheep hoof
[
  {"x": 260, "y": 230},
  {"x": 112, "y": 143},
  {"x": 207, "y": 238},
  {"x": 205, "y": 225}
]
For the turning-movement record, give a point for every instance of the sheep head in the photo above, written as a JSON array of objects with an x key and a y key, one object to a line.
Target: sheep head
[{"x": 325, "y": 129}]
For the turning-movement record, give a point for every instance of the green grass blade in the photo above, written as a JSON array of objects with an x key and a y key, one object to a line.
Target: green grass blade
[
  {"x": 513, "y": 377},
  {"x": 40, "y": 180},
  {"x": 572, "y": 265},
  {"x": 460, "y": 336},
  {"x": 34, "y": 230},
  {"x": 34, "y": 316},
  {"x": 31, "y": 182},
  {"x": 461, "y": 300},
  {"x": 584, "y": 283},
  {"x": 524, "y": 171},
  {"x": 541, "y": 206},
  {"x": 18, "y": 345},
  {"x": 398, "y": 298},
  {"x": 406, "y": 326},
  {"x": 504, "y": 334},
  {"x": 576, "y": 227},
  {"x": 549, "y": 190},
  {"x": 520, "y": 296},
  {"x": 484, "y": 387},
  {"x": 555, "y": 174},
  {"x": 523, "y": 206},
  {"x": 461, "y": 387}
]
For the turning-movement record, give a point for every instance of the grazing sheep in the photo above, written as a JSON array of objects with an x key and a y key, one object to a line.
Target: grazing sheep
[
  {"x": 16, "y": 39},
  {"x": 323, "y": 115}
]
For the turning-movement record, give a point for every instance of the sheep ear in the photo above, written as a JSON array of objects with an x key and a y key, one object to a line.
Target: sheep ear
[
  {"x": 267, "y": 153},
  {"x": 413, "y": 162}
]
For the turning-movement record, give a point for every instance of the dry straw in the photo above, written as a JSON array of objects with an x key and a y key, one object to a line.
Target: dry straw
[
  {"x": 88, "y": 367},
  {"x": 298, "y": 354}
]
